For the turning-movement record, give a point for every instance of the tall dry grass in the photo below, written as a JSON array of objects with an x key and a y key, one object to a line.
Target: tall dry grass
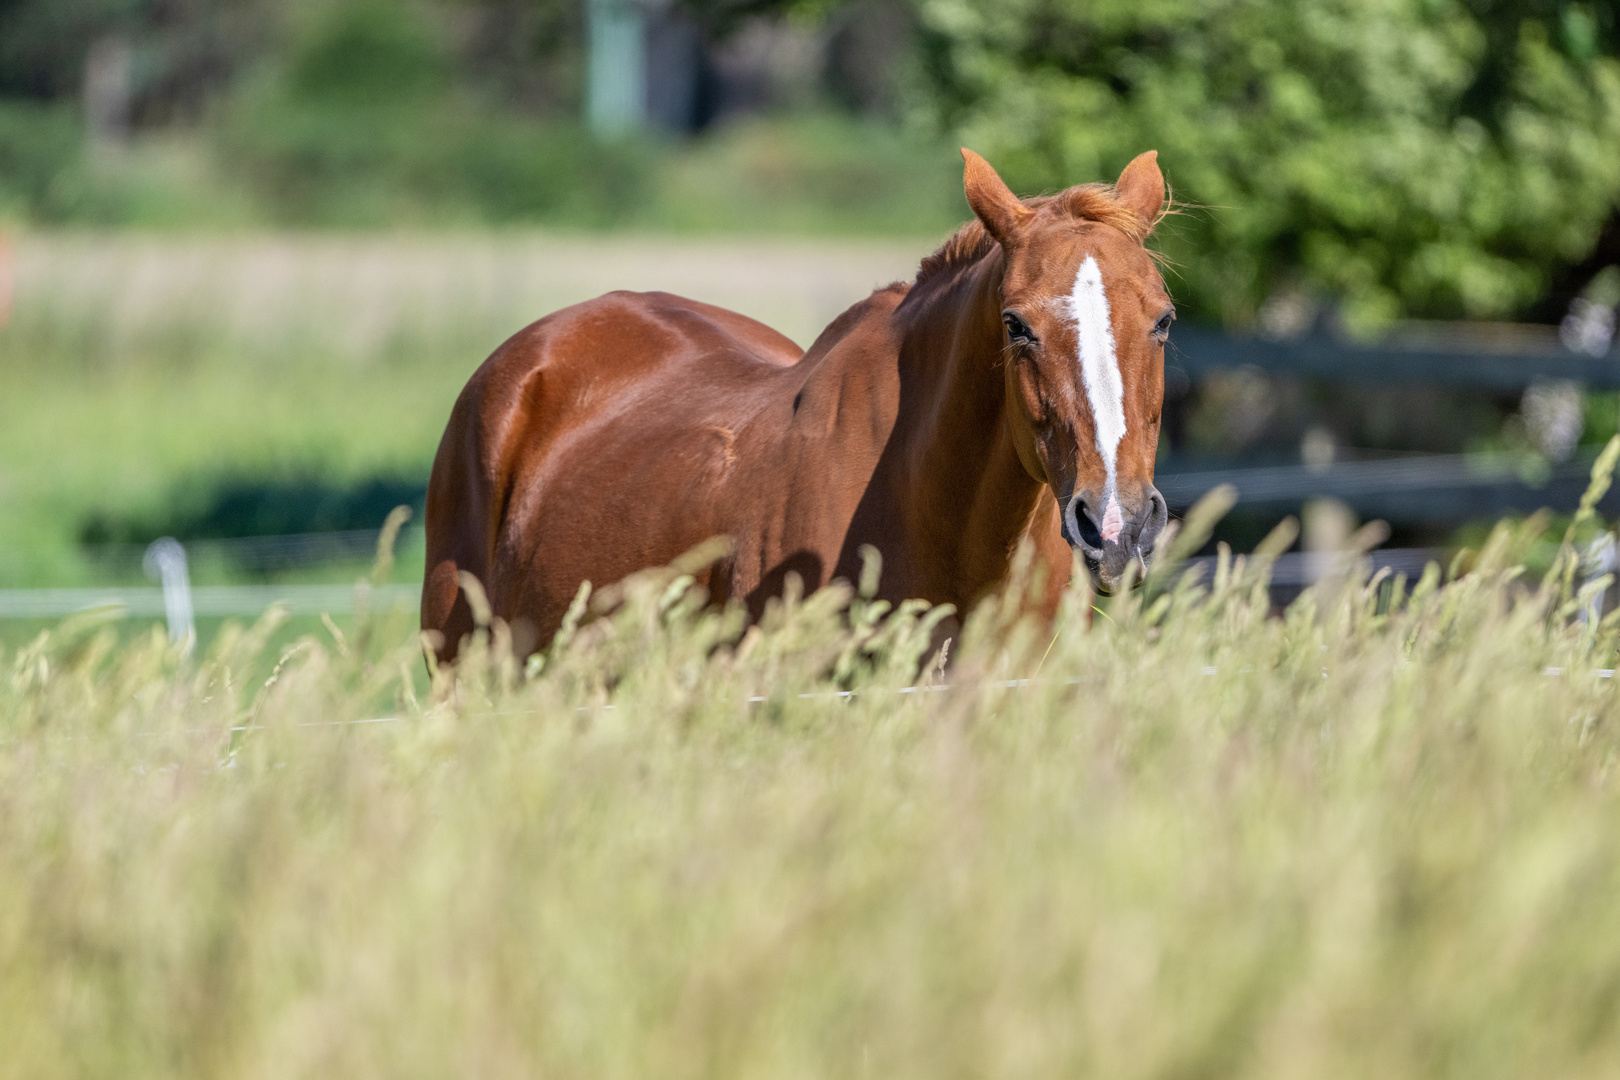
[
  {"x": 1375, "y": 836},
  {"x": 106, "y": 302}
]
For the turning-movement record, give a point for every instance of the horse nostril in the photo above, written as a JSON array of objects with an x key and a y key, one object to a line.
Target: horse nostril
[
  {"x": 1158, "y": 514},
  {"x": 1090, "y": 536}
]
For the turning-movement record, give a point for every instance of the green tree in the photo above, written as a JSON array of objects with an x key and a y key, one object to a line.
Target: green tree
[{"x": 1430, "y": 157}]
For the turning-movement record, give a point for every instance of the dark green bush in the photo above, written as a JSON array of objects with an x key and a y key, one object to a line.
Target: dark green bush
[
  {"x": 1427, "y": 157},
  {"x": 41, "y": 159}
]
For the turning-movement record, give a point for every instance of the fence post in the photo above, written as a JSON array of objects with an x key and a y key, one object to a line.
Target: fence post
[
  {"x": 166, "y": 559},
  {"x": 1600, "y": 557},
  {"x": 616, "y": 67},
  {"x": 8, "y": 278}
]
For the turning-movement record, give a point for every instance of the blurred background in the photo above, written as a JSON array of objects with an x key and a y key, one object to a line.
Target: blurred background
[{"x": 253, "y": 248}]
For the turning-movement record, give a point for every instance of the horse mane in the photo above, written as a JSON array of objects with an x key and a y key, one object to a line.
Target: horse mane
[{"x": 1084, "y": 202}]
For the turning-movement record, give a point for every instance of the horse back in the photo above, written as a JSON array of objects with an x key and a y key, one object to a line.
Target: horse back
[{"x": 544, "y": 389}]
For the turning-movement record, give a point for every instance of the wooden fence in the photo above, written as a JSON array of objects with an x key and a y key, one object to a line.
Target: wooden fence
[{"x": 1424, "y": 489}]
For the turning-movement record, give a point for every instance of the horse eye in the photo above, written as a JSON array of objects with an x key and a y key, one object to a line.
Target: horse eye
[
  {"x": 1017, "y": 330},
  {"x": 1161, "y": 328}
]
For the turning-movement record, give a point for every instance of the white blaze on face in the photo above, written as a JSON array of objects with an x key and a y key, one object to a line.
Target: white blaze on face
[{"x": 1099, "y": 369}]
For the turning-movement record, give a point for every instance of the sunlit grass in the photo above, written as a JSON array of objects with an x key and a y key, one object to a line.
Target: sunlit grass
[{"x": 1375, "y": 836}]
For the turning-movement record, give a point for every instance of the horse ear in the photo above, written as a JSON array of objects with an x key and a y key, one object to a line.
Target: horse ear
[
  {"x": 1140, "y": 188},
  {"x": 992, "y": 200}
]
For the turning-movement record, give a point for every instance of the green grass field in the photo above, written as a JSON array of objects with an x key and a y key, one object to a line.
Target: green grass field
[
  {"x": 139, "y": 372},
  {"x": 136, "y": 371},
  {"x": 1374, "y": 837}
]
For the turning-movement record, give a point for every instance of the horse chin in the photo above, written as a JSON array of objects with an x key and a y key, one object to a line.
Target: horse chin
[{"x": 1109, "y": 567}]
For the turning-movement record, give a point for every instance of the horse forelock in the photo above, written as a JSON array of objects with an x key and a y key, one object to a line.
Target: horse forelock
[{"x": 1084, "y": 202}]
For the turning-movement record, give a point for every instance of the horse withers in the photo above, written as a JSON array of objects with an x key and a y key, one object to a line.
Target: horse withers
[{"x": 1011, "y": 392}]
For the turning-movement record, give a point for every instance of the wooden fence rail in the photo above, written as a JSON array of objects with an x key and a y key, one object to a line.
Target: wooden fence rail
[{"x": 1474, "y": 362}]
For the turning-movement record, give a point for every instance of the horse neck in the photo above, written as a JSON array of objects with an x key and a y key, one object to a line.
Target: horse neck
[{"x": 962, "y": 474}]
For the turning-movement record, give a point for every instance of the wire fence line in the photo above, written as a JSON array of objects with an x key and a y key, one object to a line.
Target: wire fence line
[
  {"x": 263, "y": 553},
  {"x": 1292, "y": 569},
  {"x": 209, "y": 600}
]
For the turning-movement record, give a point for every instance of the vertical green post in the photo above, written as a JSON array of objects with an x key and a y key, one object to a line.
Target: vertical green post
[{"x": 616, "y": 70}]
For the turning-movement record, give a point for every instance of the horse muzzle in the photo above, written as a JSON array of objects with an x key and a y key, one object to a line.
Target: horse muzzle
[{"x": 1111, "y": 535}]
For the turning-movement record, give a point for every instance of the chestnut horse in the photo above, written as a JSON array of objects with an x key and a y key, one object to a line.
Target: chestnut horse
[{"x": 1013, "y": 390}]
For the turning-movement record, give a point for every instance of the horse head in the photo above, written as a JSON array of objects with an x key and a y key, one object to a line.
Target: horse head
[{"x": 1085, "y": 317}]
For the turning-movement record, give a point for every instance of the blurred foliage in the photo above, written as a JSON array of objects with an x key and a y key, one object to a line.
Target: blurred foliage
[
  {"x": 1436, "y": 158},
  {"x": 43, "y": 42},
  {"x": 185, "y": 52},
  {"x": 816, "y": 173},
  {"x": 373, "y": 112},
  {"x": 362, "y": 116},
  {"x": 374, "y": 151},
  {"x": 1430, "y": 157},
  {"x": 41, "y": 148},
  {"x": 721, "y": 17}
]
